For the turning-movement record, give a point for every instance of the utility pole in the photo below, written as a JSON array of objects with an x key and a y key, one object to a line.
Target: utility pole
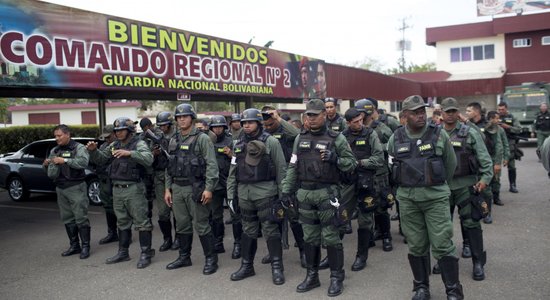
[{"x": 403, "y": 45}]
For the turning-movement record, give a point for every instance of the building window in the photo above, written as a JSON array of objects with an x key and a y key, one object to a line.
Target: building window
[
  {"x": 545, "y": 41},
  {"x": 478, "y": 52},
  {"x": 455, "y": 54},
  {"x": 395, "y": 106},
  {"x": 522, "y": 43},
  {"x": 489, "y": 52}
]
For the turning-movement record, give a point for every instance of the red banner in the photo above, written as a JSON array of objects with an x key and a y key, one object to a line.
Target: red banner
[{"x": 47, "y": 45}]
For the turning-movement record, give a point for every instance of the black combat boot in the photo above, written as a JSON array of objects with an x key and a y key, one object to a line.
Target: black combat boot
[
  {"x": 466, "y": 252},
  {"x": 324, "y": 263},
  {"x": 496, "y": 199},
  {"x": 146, "y": 252},
  {"x": 313, "y": 256},
  {"x": 84, "y": 232},
  {"x": 210, "y": 256},
  {"x": 385, "y": 227},
  {"x": 124, "y": 237},
  {"x": 237, "y": 233},
  {"x": 421, "y": 284},
  {"x": 248, "y": 247},
  {"x": 166, "y": 229},
  {"x": 112, "y": 235},
  {"x": 184, "y": 258},
  {"x": 176, "y": 243},
  {"x": 479, "y": 256},
  {"x": 449, "y": 275},
  {"x": 72, "y": 233},
  {"x": 298, "y": 233},
  {"x": 219, "y": 232},
  {"x": 363, "y": 237},
  {"x": 512, "y": 179},
  {"x": 337, "y": 273},
  {"x": 276, "y": 252}
]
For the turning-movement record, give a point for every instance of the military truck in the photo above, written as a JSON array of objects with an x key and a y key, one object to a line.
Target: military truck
[{"x": 524, "y": 102}]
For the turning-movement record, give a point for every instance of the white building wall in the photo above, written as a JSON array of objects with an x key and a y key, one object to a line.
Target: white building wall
[
  {"x": 74, "y": 116},
  {"x": 496, "y": 65}
]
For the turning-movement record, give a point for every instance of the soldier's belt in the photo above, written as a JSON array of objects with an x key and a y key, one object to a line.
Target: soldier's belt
[{"x": 181, "y": 181}]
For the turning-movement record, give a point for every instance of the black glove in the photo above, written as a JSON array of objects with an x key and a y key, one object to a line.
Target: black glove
[
  {"x": 286, "y": 201},
  {"x": 329, "y": 156}
]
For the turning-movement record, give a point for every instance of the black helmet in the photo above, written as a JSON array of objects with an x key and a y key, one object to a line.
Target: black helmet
[
  {"x": 164, "y": 118},
  {"x": 252, "y": 114},
  {"x": 124, "y": 123},
  {"x": 185, "y": 110},
  {"x": 364, "y": 106},
  {"x": 235, "y": 117},
  {"x": 218, "y": 120},
  {"x": 331, "y": 100}
]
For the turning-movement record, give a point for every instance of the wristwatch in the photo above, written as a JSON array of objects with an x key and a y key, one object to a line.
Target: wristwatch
[{"x": 65, "y": 160}]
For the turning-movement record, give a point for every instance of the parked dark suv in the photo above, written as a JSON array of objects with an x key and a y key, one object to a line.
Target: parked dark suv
[{"x": 22, "y": 173}]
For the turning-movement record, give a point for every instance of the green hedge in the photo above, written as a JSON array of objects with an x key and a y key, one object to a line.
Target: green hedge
[{"x": 14, "y": 138}]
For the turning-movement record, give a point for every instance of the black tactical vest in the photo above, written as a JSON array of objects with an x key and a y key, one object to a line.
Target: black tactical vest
[
  {"x": 361, "y": 149},
  {"x": 67, "y": 173},
  {"x": 336, "y": 124},
  {"x": 416, "y": 163},
  {"x": 125, "y": 168},
  {"x": 543, "y": 121},
  {"x": 359, "y": 143},
  {"x": 224, "y": 162},
  {"x": 183, "y": 162},
  {"x": 310, "y": 167},
  {"x": 465, "y": 157},
  {"x": 286, "y": 143},
  {"x": 264, "y": 171}
]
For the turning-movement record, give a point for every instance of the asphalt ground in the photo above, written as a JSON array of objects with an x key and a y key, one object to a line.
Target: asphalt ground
[{"x": 32, "y": 238}]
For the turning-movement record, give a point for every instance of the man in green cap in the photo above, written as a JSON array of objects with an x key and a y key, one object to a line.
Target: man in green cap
[
  {"x": 318, "y": 157},
  {"x": 381, "y": 180},
  {"x": 191, "y": 177},
  {"x": 128, "y": 157},
  {"x": 423, "y": 160},
  {"x": 65, "y": 166},
  {"x": 358, "y": 187},
  {"x": 257, "y": 168},
  {"x": 474, "y": 169},
  {"x": 106, "y": 188}
]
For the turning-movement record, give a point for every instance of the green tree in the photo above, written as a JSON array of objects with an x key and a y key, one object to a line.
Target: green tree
[
  {"x": 413, "y": 68},
  {"x": 4, "y": 103}
]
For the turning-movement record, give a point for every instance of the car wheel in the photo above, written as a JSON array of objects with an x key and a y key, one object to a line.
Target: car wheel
[
  {"x": 16, "y": 189},
  {"x": 93, "y": 191}
]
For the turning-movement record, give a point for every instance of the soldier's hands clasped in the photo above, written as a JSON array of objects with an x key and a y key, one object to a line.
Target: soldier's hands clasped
[{"x": 286, "y": 201}]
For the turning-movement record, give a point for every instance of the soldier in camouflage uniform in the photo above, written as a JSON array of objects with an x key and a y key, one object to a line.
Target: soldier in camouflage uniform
[
  {"x": 191, "y": 176},
  {"x": 318, "y": 156},
  {"x": 128, "y": 157},
  {"x": 358, "y": 187}
]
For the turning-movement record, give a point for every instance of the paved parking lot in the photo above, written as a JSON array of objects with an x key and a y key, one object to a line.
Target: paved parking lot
[{"x": 32, "y": 238}]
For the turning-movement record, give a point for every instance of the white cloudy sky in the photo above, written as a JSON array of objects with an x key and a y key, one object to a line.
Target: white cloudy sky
[{"x": 340, "y": 32}]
